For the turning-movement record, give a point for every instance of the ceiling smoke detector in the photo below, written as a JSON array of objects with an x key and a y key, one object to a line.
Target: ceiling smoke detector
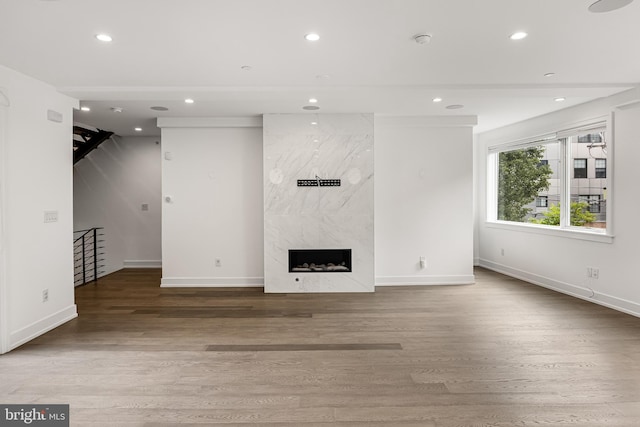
[
  {"x": 602, "y": 6},
  {"x": 422, "y": 38},
  {"x": 117, "y": 109}
]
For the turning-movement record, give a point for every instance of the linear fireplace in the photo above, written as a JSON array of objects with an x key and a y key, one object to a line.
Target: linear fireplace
[{"x": 319, "y": 260}]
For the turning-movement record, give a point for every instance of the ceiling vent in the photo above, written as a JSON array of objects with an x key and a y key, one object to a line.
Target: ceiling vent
[{"x": 422, "y": 38}]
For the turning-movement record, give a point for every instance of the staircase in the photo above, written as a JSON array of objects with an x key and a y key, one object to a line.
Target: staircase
[{"x": 85, "y": 140}]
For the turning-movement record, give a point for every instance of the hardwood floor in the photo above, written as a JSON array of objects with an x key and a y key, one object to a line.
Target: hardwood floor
[{"x": 497, "y": 353}]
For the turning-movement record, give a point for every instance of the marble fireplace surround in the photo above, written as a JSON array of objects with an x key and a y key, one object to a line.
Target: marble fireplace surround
[{"x": 318, "y": 146}]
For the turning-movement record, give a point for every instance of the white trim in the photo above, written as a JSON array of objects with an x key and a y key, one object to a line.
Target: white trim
[
  {"x": 583, "y": 129},
  {"x": 569, "y": 233},
  {"x": 211, "y": 282},
  {"x": 629, "y": 105},
  {"x": 573, "y": 290},
  {"x": 42, "y": 326},
  {"x": 611, "y": 166},
  {"x": 514, "y": 134},
  {"x": 425, "y": 280},
  {"x": 533, "y": 141},
  {"x": 210, "y": 122},
  {"x": 143, "y": 263}
]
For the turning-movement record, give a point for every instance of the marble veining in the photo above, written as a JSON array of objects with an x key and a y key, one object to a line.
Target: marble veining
[{"x": 338, "y": 146}]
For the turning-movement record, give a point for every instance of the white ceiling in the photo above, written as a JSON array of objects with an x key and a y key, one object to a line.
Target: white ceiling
[{"x": 164, "y": 51}]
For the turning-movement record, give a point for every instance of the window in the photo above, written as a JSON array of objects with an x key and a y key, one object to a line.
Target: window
[
  {"x": 601, "y": 168},
  {"x": 542, "y": 202},
  {"x": 590, "y": 138},
  {"x": 522, "y": 178},
  {"x": 579, "y": 168},
  {"x": 545, "y": 181}
]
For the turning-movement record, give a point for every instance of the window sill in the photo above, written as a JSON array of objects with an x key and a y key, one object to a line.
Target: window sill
[{"x": 570, "y": 233}]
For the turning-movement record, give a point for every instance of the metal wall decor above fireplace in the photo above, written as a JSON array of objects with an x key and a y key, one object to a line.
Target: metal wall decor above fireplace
[
  {"x": 319, "y": 182},
  {"x": 319, "y": 260}
]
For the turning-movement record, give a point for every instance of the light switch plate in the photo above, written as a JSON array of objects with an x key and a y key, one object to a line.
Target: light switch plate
[{"x": 50, "y": 216}]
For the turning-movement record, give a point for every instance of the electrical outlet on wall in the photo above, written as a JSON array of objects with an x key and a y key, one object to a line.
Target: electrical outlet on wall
[
  {"x": 595, "y": 273},
  {"x": 218, "y": 262},
  {"x": 45, "y": 295},
  {"x": 423, "y": 262}
]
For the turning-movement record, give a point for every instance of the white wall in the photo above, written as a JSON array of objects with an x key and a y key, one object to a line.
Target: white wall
[
  {"x": 36, "y": 177},
  {"x": 424, "y": 200},
  {"x": 110, "y": 185},
  {"x": 214, "y": 179},
  {"x": 560, "y": 262}
]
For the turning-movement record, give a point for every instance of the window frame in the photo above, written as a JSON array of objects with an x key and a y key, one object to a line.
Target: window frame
[
  {"x": 540, "y": 203},
  {"x": 591, "y": 200},
  {"x": 565, "y": 229},
  {"x": 585, "y": 168},
  {"x": 603, "y": 171}
]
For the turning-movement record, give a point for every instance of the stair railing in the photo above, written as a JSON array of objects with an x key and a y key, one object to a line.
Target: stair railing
[{"x": 88, "y": 255}]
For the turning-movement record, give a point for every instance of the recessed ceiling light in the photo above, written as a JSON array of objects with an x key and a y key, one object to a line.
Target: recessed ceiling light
[
  {"x": 314, "y": 123},
  {"x": 312, "y": 37},
  {"x": 437, "y": 99},
  {"x": 559, "y": 99},
  {"x": 159, "y": 108},
  {"x": 117, "y": 109},
  {"x": 189, "y": 101},
  {"x": 104, "y": 37},
  {"x": 313, "y": 100},
  {"x": 310, "y": 107},
  {"x": 138, "y": 129},
  {"x": 246, "y": 68},
  {"x": 518, "y": 36},
  {"x": 602, "y": 6},
  {"x": 323, "y": 76},
  {"x": 550, "y": 74},
  {"x": 85, "y": 108},
  {"x": 454, "y": 107}
]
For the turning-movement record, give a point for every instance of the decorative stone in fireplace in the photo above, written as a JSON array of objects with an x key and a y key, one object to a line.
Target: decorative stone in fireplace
[{"x": 319, "y": 260}]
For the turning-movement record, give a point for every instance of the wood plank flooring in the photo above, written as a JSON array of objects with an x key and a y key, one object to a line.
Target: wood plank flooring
[{"x": 498, "y": 353}]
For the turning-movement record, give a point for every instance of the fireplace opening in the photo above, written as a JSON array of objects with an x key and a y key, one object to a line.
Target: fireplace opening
[{"x": 319, "y": 260}]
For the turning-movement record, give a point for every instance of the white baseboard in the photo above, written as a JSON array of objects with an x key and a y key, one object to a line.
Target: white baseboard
[
  {"x": 577, "y": 291},
  {"x": 211, "y": 282},
  {"x": 129, "y": 263},
  {"x": 425, "y": 280},
  {"x": 42, "y": 326}
]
